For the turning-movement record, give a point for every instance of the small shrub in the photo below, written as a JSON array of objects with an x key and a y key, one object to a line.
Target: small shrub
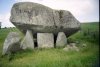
[{"x": 70, "y": 40}]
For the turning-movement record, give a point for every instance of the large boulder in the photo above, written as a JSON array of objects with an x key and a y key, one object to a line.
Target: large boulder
[
  {"x": 45, "y": 40},
  {"x": 42, "y": 19},
  {"x": 12, "y": 43},
  {"x": 61, "y": 40},
  {"x": 28, "y": 42}
]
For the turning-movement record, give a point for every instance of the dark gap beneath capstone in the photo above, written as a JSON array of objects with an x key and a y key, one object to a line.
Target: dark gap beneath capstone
[
  {"x": 55, "y": 38},
  {"x": 35, "y": 41},
  {"x": 35, "y": 44}
]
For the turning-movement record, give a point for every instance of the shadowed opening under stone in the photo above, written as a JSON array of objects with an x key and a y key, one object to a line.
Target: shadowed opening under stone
[
  {"x": 55, "y": 38},
  {"x": 35, "y": 44},
  {"x": 35, "y": 40}
]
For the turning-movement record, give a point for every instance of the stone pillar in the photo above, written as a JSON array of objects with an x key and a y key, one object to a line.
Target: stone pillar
[
  {"x": 45, "y": 40},
  {"x": 61, "y": 40},
  {"x": 28, "y": 41}
]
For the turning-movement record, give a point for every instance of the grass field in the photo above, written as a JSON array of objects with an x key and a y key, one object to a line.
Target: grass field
[{"x": 57, "y": 57}]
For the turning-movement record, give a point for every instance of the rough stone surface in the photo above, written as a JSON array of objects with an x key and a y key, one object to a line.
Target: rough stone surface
[
  {"x": 61, "y": 40},
  {"x": 12, "y": 43},
  {"x": 42, "y": 19},
  {"x": 28, "y": 42},
  {"x": 71, "y": 48},
  {"x": 45, "y": 40},
  {"x": 72, "y": 44}
]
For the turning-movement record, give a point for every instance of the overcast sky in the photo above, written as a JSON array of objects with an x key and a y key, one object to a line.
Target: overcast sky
[{"x": 83, "y": 10}]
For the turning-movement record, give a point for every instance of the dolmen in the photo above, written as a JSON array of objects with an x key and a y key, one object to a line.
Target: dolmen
[{"x": 43, "y": 27}]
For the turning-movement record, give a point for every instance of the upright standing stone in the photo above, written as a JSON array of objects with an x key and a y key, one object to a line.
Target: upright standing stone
[
  {"x": 45, "y": 40},
  {"x": 28, "y": 41},
  {"x": 61, "y": 40},
  {"x": 12, "y": 43}
]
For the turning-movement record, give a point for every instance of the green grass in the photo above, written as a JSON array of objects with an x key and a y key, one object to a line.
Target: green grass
[
  {"x": 56, "y": 57},
  {"x": 89, "y": 32}
]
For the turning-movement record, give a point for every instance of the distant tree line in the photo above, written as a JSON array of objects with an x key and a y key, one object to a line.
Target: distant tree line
[{"x": 0, "y": 25}]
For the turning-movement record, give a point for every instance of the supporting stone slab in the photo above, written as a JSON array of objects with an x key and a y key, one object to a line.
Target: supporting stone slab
[
  {"x": 61, "y": 40},
  {"x": 28, "y": 42},
  {"x": 45, "y": 40}
]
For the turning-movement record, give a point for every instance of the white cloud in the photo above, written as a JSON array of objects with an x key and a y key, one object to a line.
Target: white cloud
[{"x": 4, "y": 18}]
